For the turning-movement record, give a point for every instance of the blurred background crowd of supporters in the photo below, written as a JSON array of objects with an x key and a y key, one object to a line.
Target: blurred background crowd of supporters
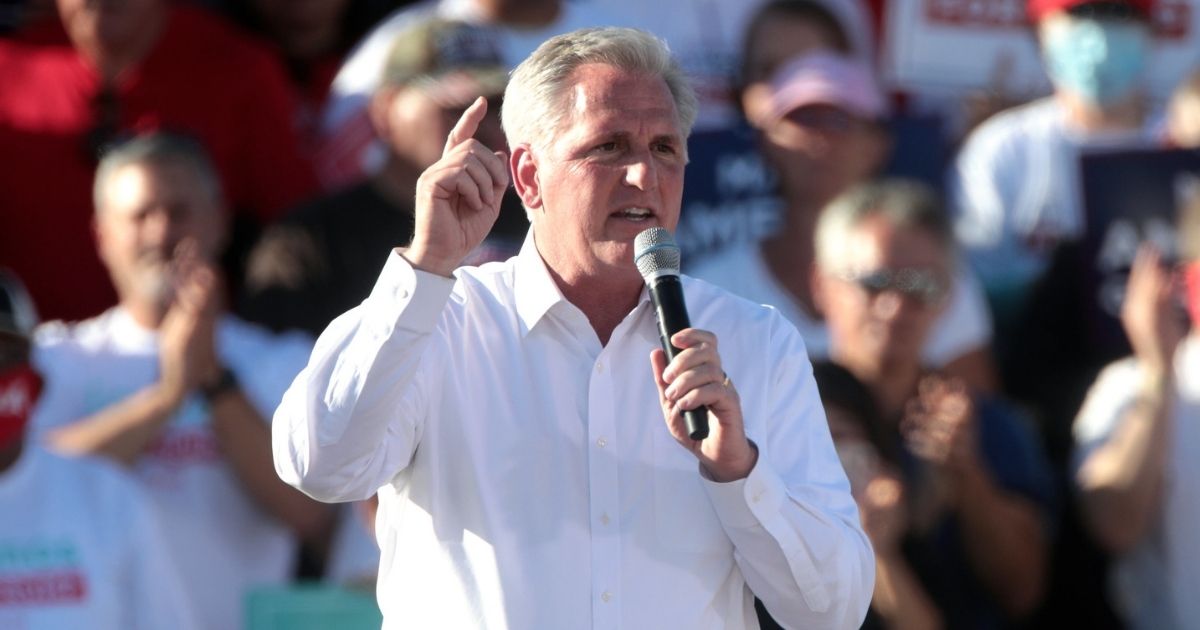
[{"x": 257, "y": 158}]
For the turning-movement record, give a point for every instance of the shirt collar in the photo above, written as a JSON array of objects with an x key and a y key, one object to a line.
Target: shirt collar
[
  {"x": 536, "y": 292},
  {"x": 534, "y": 289}
]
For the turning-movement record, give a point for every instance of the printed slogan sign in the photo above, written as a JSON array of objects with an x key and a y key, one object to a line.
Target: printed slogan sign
[
  {"x": 1131, "y": 197},
  {"x": 964, "y": 45}
]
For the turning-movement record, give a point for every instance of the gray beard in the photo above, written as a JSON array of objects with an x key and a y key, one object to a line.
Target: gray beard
[{"x": 156, "y": 285}]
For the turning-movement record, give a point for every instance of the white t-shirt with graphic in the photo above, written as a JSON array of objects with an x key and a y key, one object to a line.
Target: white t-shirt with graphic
[
  {"x": 1155, "y": 583},
  {"x": 225, "y": 543},
  {"x": 1016, "y": 190},
  {"x": 82, "y": 547}
]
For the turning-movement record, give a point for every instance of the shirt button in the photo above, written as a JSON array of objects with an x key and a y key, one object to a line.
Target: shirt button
[
  {"x": 604, "y": 519},
  {"x": 601, "y": 442},
  {"x": 600, "y": 367},
  {"x": 606, "y": 596}
]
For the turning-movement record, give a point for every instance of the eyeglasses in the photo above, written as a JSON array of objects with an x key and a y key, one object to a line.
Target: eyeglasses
[{"x": 923, "y": 285}]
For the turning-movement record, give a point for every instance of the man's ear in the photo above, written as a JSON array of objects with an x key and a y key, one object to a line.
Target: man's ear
[
  {"x": 98, "y": 239},
  {"x": 222, "y": 224},
  {"x": 378, "y": 110},
  {"x": 755, "y": 99},
  {"x": 816, "y": 286},
  {"x": 882, "y": 145},
  {"x": 525, "y": 176}
]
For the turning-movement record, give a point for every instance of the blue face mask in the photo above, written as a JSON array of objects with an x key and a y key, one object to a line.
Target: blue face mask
[{"x": 1100, "y": 61}]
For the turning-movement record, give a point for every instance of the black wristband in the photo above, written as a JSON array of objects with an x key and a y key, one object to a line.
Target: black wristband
[{"x": 226, "y": 382}]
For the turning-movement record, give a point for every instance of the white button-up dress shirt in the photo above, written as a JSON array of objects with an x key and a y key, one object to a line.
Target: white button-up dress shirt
[{"x": 527, "y": 478}]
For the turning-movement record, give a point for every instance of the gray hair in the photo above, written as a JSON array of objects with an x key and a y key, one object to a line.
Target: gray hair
[
  {"x": 904, "y": 203},
  {"x": 532, "y": 101},
  {"x": 157, "y": 149}
]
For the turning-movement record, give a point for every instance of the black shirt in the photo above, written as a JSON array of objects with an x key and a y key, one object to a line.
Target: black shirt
[{"x": 323, "y": 258}]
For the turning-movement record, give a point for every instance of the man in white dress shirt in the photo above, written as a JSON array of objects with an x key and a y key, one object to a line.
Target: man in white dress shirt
[{"x": 532, "y": 468}]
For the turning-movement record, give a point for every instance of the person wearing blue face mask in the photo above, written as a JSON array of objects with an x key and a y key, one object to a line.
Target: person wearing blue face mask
[
  {"x": 1015, "y": 184},
  {"x": 1020, "y": 218},
  {"x": 1095, "y": 59}
]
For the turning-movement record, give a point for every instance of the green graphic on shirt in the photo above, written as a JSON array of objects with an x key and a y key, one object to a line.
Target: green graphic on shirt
[{"x": 29, "y": 555}]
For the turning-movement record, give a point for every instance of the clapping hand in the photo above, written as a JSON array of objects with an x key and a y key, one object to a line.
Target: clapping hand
[
  {"x": 939, "y": 424},
  {"x": 878, "y": 491},
  {"x": 187, "y": 351},
  {"x": 1149, "y": 314}
]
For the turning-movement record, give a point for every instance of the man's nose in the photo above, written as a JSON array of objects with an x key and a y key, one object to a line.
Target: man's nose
[
  {"x": 1093, "y": 43},
  {"x": 818, "y": 144},
  {"x": 641, "y": 173},
  {"x": 888, "y": 304},
  {"x": 161, "y": 226}
]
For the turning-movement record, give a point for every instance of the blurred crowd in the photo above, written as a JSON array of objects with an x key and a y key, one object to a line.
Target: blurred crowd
[{"x": 999, "y": 290}]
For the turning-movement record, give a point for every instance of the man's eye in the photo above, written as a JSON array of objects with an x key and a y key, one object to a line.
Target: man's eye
[
  {"x": 665, "y": 147},
  {"x": 607, "y": 147}
]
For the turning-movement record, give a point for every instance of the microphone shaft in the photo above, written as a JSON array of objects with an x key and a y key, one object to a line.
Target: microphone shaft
[{"x": 666, "y": 292}]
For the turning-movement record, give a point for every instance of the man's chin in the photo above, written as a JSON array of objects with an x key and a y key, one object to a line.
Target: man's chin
[
  {"x": 901, "y": 353},
  {"x": 156, "y": 288},
  {"x": 618, "y": 255}
]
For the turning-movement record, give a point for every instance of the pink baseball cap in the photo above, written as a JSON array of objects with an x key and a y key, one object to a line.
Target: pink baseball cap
[{"x": 826, "y": 79}]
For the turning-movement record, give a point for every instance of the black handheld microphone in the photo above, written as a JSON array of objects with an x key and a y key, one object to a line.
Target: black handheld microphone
[{"x": 657, "y": 258}]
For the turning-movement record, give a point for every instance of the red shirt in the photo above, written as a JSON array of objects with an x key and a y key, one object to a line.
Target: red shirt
[{"x": 202, "y": 77}]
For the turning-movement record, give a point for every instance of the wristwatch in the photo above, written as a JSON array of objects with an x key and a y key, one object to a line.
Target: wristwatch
[{"x": 225, "y": 383}]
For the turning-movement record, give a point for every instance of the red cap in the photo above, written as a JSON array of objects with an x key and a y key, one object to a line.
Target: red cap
[{"x": 1039, "y": 8}]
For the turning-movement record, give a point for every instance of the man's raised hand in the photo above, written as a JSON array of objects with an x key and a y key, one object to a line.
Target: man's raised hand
[{"x": 458, "y": 197}]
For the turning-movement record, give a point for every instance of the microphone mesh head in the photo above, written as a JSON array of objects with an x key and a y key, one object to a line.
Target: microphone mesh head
[{"x": 655, "y": 253}]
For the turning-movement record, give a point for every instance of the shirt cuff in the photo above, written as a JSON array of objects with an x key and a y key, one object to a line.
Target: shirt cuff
[
  {"x": 407, "y": 298},
  {"x": 748, "y": 502},
  {"x": 752, "y": 505}
]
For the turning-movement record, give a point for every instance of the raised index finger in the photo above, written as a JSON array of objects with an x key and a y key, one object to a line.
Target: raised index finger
[{"x": 466, "y": 126}]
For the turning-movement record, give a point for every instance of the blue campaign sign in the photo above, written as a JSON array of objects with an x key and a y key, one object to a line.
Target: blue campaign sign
[
  {"x": 728, "y": 194},
  {"x": 1130, "y": 197}
]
